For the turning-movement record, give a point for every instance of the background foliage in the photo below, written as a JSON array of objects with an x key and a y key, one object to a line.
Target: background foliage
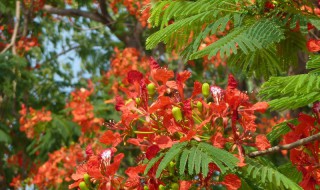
[{"x": 64, "y": 66}]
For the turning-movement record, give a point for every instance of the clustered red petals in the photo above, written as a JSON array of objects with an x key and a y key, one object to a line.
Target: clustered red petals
[
  {"x": 29, "y": 120},
  {"x": 305, "y": 158},
  {"x": 232, "y": 182},
  {"x": 123, "y": 62},
  {"x": 139, "y": 9},
  {"x": 313, "y": 45},
  {"x": 153, "y": 126},
  {"x": 110, "y": 138},
  {"x": 59, "y": 167},
  {"x": 102, "y": 168},
  {"x": 262, "y": 142},
  {"x": 82, "y": 109}
]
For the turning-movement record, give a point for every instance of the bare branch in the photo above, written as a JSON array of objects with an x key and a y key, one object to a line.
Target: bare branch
[
  {"x": 103, "y": 8},
  {"x": 15, "y": 31},
  {"x": 62, "y": 53},
  {"x": 76, "y": 13},
  {"x": 286, "y": 147}
]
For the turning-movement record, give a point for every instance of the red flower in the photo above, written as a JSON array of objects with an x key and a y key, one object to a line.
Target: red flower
[
  {"x": 110, "y": 138},
  {"x": 313, "y": 45},
  {"x": 134, "y": 76},
  {"x": 269, "y": 5},
  {"x": 185, "y": 185},
  {"x": 163, "y": 141},
  {"x": 232, "y": 182},
  {"x": 152, "y": 151},
  {"x": 133, "y": 182},
  {"x": 218, "y": 140},
  {"x": 262, "y": 142}
]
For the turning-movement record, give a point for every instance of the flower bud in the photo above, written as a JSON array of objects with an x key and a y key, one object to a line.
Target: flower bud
[
  {"x": 83, "y": 186},
  {"x": 86, "y": 178},
  {"x": 161, "y": 187},
  {"x": 176, "y": 112},
  {"x": 171, "y": 167},
  {"x": 199, "y": 106},
  {"x": 151, "y": 89},
  {"x": 175, "y": 186},
  {"x": 138, "y": 101},
  {"x": 205, "y": 90}
]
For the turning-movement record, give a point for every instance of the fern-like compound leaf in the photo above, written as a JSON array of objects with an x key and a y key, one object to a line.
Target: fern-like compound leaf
[
  {"x": 183, "y": 161},
  {"x": 169, "y": 156},
  {"x": 266, "y": 177},
  {"x": 291, "y": 92}
]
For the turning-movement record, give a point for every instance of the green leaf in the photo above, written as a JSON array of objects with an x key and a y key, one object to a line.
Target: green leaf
[
  {"x": 266, "y": 176},
  {"x": 291, "y": 92},
  {"x": 152, "y": 162},
  {"x": 291, "y": 172},
  {"x": 183, "y": 161},
  {"x": 223, "y": 159},
  {"x": 314, "y": 63},
  {"x": 191, "y": 161},
  {"x": 169, "y": 156},
  {"x": 4, "y": 137},
  {"x": 205, "y": 160},
  {"x": 279, "y": 130}
]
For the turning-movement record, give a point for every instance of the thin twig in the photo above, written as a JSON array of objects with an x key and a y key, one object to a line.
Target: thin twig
[
  {"x": 76, "y": 13},
  {"x": 15, "y": 31},
  {"x": 62, "y": 53},
  {"x": 286, "y": 147}
]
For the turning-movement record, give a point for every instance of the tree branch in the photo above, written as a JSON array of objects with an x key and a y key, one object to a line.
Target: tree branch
[
  {"x": 104, "y": 18},
  {"x": 286, "y": 147},
  {"x": 15, "y": 31},
  {"x": 76, "y": 13},
  {"x": 61, "y": 53},
  {"x": 103, "y": 8}
]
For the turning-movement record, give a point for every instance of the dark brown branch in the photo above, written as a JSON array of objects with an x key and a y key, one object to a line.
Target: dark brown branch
[
  {"x": 103, "y": 8},
  {"x": 286, "y": 147},
  {"x": 104, "y": 18},
  {"x": 76, "y": 13}
]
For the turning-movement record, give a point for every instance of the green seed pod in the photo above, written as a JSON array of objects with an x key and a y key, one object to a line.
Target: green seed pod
[
  {"x": 138, "y": 101},
  {"x": 176, "y": 112},
  {"x": 175, "y": 186},
  {"x": 205, "y": 90},
  {"x": 171, "y": 167},
  {"x": 128, "y": 101},
  {"x": 199, "y": 106},
  {"x": 145, "y": 187},
  {"x": 83, "y": 186},
  {"x": 86, "y": 178},
  {"x": 151, "y": 89},
  {"x": 161, "y": 187}
]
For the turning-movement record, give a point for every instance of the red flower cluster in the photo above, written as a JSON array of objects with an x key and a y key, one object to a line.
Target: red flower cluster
[
  {"x": 313, "y": 45},
  {"x": 35, "y": 5},
  {"x": 305, "y": 158},
  {"x": 25, "y": 44},
  {"x": 157, "y": 114},
  {"x": 101, "y": 168},
  {"x": 139, "y": 9},
  {"x": 82, "y": 109},
  {"x": 121, "y": 63},
  {"x": 59, "y": 167},
  {"x": 29, "y": 121}
]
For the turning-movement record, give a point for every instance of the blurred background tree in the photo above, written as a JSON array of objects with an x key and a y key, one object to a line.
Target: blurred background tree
[{"x": 50, "y": 48}]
